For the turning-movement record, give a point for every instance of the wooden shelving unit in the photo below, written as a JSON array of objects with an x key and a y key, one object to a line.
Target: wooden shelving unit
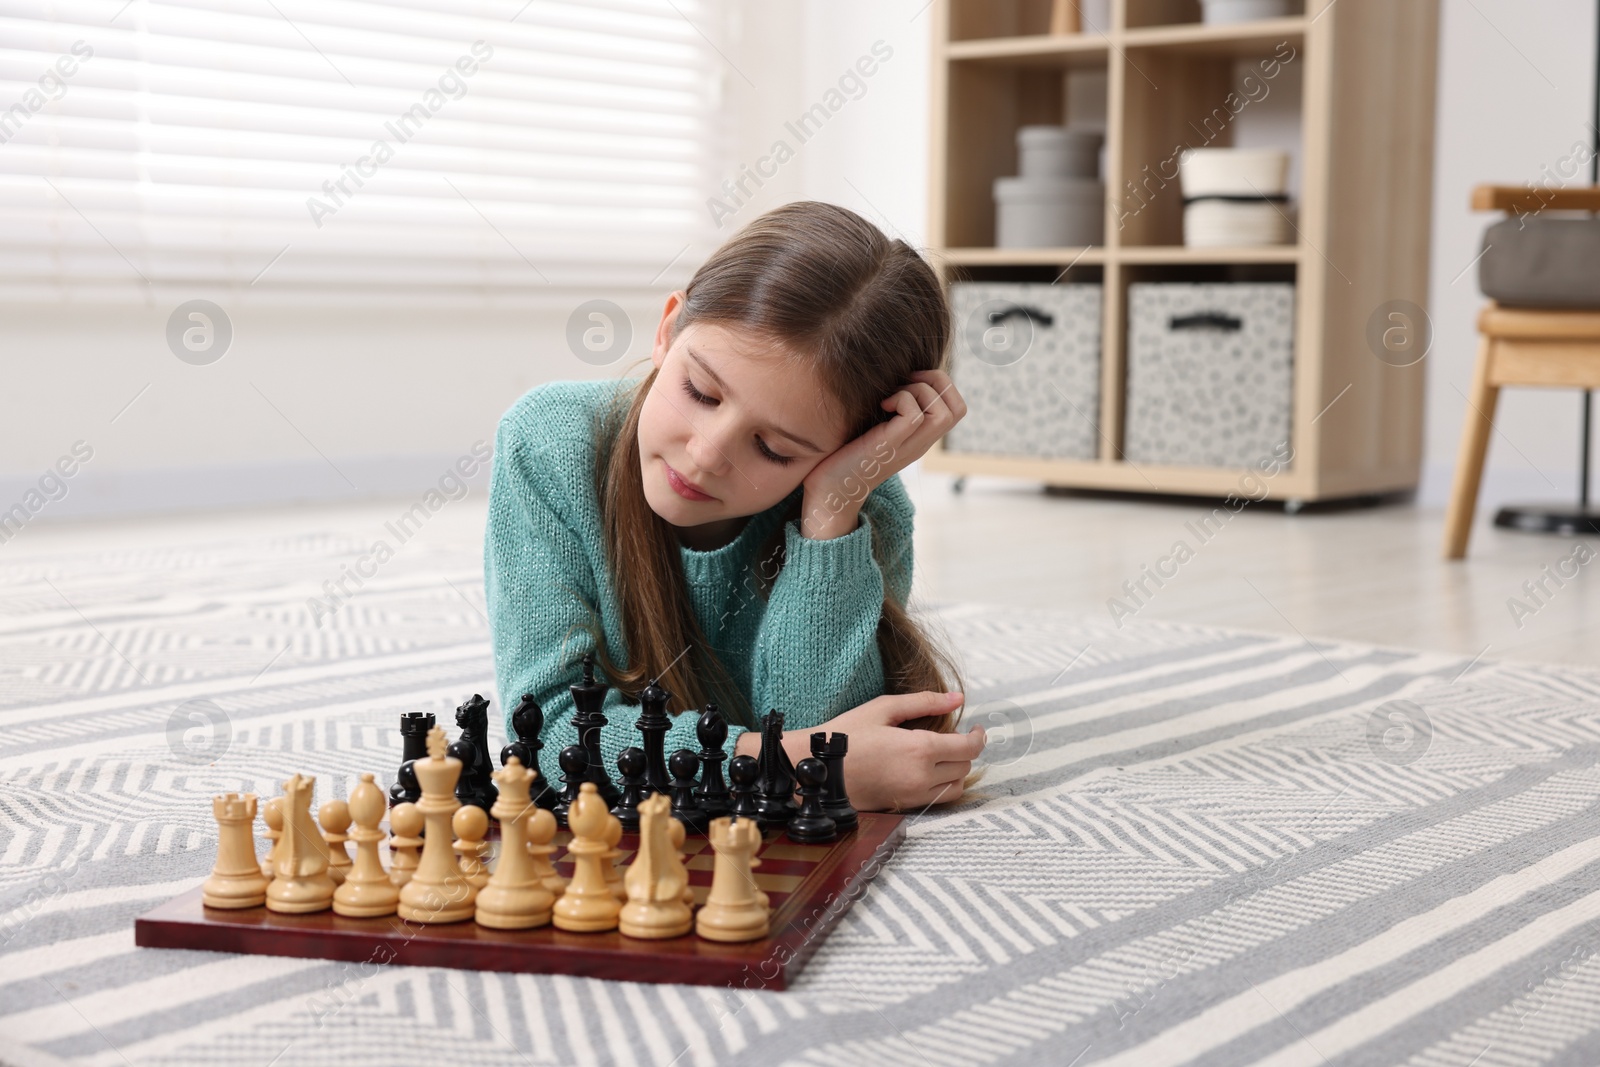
[{"x": 1365, "y": 161}]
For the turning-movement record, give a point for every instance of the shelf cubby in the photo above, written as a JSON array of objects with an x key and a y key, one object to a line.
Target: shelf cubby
[
  {"x": 1175, "y": 98},
  {"x": 997, "y": 98}
]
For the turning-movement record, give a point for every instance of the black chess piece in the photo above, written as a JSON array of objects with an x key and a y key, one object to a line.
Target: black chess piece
[
  {"x": 654, "y": 723},
  {"x": 635, "y": 788},
  {"x": 711, "y": 795},
  {"x": 527, "y": 723},
  {"x": 414, "y": 727},
  {"x": 835, "y": 800},
  {"x": 743, "y": 773},
  {"x": 574, "y": 772},
  {"x": 476, "y": 784},
  {"x": 405, "y": 785},
  {"x": 811, "y": 825},
  {"x": 589, "y": 697},
  {"x": 775, "y": 786},
  {"x": 683, "y": 765}
]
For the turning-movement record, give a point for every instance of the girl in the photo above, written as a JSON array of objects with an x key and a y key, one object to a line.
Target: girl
[{"x": 733, "y": 524}]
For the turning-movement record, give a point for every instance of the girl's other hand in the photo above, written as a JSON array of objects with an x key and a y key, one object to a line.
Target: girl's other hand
[{"x": 888, "y": 768}]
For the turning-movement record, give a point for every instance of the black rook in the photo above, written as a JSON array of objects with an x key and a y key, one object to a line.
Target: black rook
[{"x": 414, "y": 727}]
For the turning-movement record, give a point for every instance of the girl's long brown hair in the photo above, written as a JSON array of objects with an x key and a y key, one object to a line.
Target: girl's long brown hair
[{"x": 864, "y": 311}]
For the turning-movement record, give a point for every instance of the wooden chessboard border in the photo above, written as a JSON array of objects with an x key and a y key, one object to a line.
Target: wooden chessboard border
[{"x": 800, "y": 921}]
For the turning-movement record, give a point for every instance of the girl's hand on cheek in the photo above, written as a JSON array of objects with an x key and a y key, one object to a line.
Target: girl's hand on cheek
[
  {"x": 924, "y": 411},
  {"x": 889, "y": 768}
]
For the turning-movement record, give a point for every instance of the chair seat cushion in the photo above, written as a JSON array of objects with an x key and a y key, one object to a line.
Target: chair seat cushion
[{"x": 1542, "y": 263}]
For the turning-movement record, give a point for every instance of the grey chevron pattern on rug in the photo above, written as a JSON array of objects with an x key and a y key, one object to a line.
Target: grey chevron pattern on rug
[{"x": 1190, "y": 845}]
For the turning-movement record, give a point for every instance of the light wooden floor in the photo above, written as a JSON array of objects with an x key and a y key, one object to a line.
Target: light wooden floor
[
  {"x": 1367, "y": 574},
  {"x": 1362, "y": 574}
]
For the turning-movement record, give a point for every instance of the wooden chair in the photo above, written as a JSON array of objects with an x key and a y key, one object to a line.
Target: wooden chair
[{"x": 1518, "y": 346}]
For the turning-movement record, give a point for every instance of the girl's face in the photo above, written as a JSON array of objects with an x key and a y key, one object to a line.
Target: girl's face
[{"x": 730, "y": 426}]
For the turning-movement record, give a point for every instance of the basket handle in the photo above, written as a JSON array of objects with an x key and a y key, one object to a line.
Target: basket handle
[
  {"x": 1206, "y": 320},
  {"x": 1043, "y": 318}
]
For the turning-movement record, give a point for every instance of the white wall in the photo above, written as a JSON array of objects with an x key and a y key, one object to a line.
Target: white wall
[
  {"x": 308, "y": 399},
  {"x": 1516, "y": 91},
  {"x": 872, "y": 156},
  {"x": 323, "y": 403}
]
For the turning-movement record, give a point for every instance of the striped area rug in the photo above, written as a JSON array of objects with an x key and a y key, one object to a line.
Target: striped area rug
[{"x": 1191, "y": 846}]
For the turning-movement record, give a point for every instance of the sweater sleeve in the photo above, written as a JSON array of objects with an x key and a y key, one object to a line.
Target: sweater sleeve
[
  {"x": 816, "y": 649},
  {"x": 538, "y": 581}
]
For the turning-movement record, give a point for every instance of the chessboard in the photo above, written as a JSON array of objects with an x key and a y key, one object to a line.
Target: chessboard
[{"x": 810, "y": 887}]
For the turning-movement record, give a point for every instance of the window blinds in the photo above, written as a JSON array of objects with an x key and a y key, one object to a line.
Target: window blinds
[{"x": 405, "y": 149}]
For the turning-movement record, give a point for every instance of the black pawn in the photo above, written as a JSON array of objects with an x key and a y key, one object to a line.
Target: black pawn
[
  {"x": 743, "y": 771},
  {"x": 835, "y": 800},
  {"x": 588, "y": 697},
  {"x": 775, "y": 786},
  {"x": 811, "y": 825},
  {"x": 476, "y": 784},
  {"x": 635, "y": 789},
  {"x": 574, "y": 772},
  {"x": 654, "y": 723},
  {"x": 712, "y": 793},
  {"x": 527, "y": 723},
  {"x": 683, "y": 765},
  {"x": 414, "y": 727},
  {"x": 406, "y": 788}
]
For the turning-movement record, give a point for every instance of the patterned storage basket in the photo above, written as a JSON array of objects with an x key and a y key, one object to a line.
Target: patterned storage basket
[
  {"x": 1027, "y": 361},
  {"x": 1209, "y": 372}
]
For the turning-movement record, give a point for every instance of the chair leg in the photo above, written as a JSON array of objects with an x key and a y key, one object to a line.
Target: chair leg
[{"x": 1475, "y": 431}]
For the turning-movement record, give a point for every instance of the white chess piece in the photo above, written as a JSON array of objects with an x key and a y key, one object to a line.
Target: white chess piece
[
  {"x": 334, "y": 815},
  {"x": 301, "y": 882},
  {"x": 438, "y": 892},
  {"x": 515, "y": 898},
  {"x": 366, "y": 891},
  {"x": 471, "y": 825},
  {"x": 735, "y": 909},
  {"x": 272, "y": 815},
  {"x": 405, "y": 842},
  {"x": 588, "y": 905},
  {"x": 236, "y": 880},
  {"x": 656, "y": 878}
]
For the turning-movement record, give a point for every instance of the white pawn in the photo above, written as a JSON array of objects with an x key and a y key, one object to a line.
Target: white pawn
[
  {"x": 366, "y": 891},
  {"x": 405, "y": 843},
  {"x": 538, "y": 831},
  {"x": 471, "y": 826},
  {"x": 614, "y": 876},
  {"x": 272, "y": 814},
  {"x": 334, "y": 815},
  {"x": 676, "y": 834}
]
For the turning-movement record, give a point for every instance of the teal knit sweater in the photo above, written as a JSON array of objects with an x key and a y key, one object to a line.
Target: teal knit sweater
[{"x": 809, "y": 650}]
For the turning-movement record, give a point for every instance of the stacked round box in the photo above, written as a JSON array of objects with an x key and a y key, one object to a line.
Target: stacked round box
[
  {"x": 1235, "y": 197},
  {"x": 1058, "y": 201}
]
